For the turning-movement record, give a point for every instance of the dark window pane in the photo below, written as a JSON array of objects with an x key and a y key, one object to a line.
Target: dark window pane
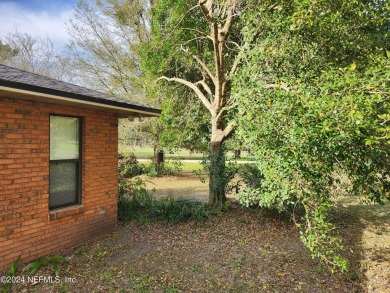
[{"x": 63, "y": 183}]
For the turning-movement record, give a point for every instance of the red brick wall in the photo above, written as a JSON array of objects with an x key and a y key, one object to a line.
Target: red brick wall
[{"x": 27, "y": 227}]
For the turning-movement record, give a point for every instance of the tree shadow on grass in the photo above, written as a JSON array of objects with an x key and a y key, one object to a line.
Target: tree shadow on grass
[{"x": 365, "y": 230}]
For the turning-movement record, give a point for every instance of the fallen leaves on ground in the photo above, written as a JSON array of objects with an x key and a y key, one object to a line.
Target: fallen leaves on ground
[{"x": 241, "y": 251}]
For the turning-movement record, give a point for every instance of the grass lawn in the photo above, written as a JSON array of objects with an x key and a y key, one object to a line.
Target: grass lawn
[
  {"x": 187, "y": 167},
  {"x": 140, "y": 153},
  {"x": 242, "y": 250},
  {"x": 147, "y": 153}
]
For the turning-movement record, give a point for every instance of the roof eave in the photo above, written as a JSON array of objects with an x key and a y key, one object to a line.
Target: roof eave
[{"x": 51, "y": 95}]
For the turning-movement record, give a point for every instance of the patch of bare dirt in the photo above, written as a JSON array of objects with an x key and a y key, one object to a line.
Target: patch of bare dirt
[
  {"x": 188, "y": 186},
  {"x": 371, "y": 228}
]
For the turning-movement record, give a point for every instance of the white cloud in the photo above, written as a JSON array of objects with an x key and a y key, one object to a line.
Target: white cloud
[{"x": 35, "y": 23}]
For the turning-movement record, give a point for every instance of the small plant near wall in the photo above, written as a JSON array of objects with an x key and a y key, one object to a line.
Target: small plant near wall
[
  {"x": 54, "y": 260},
  {"x": 31, "y": 268},
  {"x": 6, "y": 281}
]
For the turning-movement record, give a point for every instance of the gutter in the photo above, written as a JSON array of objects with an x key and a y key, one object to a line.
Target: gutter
[{"x": 54, "y": 94}]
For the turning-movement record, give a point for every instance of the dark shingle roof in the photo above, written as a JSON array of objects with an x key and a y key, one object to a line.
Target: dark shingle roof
[{"x": 23, "y": 80}]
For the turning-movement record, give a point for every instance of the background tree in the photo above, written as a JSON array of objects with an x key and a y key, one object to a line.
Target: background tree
[
  {"x": 104, "y": 46},
  {"x": 313, "y": 101},
  {"x": 6, "y": 52},
  {"x": 190, "y": 128},
  {"x": 105, "y": 51},
  {"x": 36, "y": 55}
]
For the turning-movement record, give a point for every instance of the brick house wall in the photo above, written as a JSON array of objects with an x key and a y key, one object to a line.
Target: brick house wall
[{"x": 27, "y": 227}]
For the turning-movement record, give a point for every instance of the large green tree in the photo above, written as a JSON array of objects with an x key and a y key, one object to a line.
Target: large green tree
[
  {"x": 196, "y": 45},
  {"x": 313, "y": 103}
]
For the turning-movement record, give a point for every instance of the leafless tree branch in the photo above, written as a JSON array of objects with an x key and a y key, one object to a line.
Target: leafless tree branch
[
  {"x": 200, "y": 62},
  {"x": 192, "y": 86}
]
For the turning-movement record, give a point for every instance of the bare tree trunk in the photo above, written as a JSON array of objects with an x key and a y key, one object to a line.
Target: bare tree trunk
[
  {"x": 237, "y": 154},
  {"x": 155, "y": 153},
  {"x": 158, "y": 158}
]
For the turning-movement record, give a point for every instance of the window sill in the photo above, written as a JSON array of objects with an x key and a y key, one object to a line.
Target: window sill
[{"x": 65, "y": 212}]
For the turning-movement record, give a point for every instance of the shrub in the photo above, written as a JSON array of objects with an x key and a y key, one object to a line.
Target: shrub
[
  {"x": 307, "y": 110},
  {"x": 251, "y": 175},
  {"x": 255, "y": 192},
  {"x": 132, "y": 186},
  {"x": 136, "y": 205},
  {"x": 129, "y": 167},
  {"x": 181, "y": 210}
]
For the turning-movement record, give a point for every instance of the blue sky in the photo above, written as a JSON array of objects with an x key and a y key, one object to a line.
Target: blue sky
[
  {"x": 38, "y": 5},
  {"x": 38, "y": 18}
]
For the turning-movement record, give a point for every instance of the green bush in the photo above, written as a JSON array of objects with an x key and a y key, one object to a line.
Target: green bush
[
  {"x": 137, "y": 205},
  {"x": 254, "y": 193},
  {"x": 181, "y": 210},
  {"x": 251, "y": 175},
  {"x": 127, "y": 186},
  {"x": 315, "y": 104},
  {"x": 128, "y": 167}
]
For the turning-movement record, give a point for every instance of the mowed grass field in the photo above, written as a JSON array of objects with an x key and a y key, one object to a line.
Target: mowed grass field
[{"x": 146, "y": 152}]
